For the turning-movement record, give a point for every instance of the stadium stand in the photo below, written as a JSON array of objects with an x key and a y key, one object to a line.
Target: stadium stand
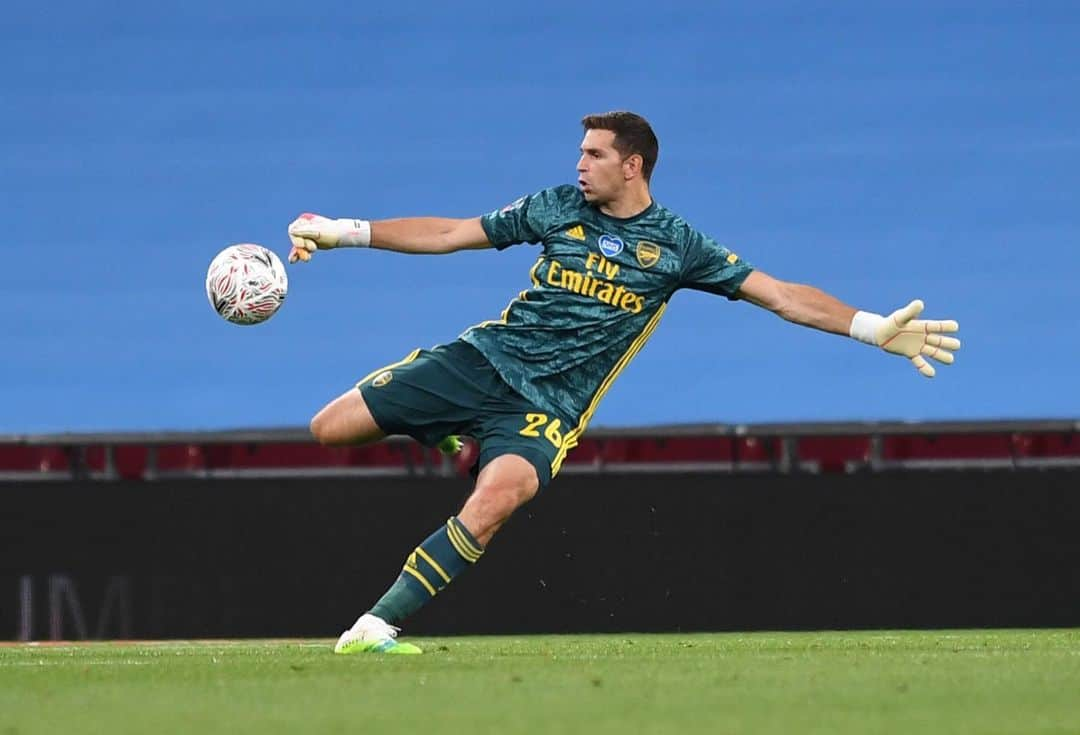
[{"x": 782, "y": 448}]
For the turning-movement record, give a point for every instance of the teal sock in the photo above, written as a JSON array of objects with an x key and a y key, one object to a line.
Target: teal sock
[{"x": 443, "y": 555}]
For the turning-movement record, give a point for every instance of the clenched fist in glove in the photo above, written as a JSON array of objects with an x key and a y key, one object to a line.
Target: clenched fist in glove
[{"x": 311, "y": 232}]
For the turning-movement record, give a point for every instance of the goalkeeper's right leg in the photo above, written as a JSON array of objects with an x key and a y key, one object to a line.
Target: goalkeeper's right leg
[{"x": 346, "y": 420}]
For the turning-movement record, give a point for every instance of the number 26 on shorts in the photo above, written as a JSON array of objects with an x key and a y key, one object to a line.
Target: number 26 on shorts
[{"x": 533, "y": 422}]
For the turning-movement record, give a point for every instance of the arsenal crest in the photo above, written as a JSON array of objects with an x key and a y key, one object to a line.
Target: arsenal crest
[{"x": 648, "y": 253}]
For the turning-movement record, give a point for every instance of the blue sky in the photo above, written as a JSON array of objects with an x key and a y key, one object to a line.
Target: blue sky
[{"x": 882, "y": 151}]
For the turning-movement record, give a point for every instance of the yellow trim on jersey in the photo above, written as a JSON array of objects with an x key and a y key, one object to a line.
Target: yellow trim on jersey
[
  {"x": 520, "y": 297},
  {"x": 571, "y": 437},
  {"x": 424, "y": 555},
  {"x": 468, "y": 552},
  {"x": 506, "y": 311},
  {"x": 408, "y": 358},
  {"x": 532, "y": 271},
  {"x": 420, "y": 578}
]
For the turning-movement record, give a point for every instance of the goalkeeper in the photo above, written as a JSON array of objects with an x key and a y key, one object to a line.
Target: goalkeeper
[{"x": 526, "y": 384}]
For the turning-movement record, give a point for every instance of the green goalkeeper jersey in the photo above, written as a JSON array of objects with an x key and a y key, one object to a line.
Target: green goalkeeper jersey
[{"x": 597, "y": 292}]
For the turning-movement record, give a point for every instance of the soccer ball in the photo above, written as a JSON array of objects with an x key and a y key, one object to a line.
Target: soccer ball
[{"x": 246, "y": 284}]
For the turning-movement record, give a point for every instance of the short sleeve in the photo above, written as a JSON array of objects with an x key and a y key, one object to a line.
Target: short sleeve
[
  {"x": 524, "y": 220},
  {"x": 709, "y": 266}
]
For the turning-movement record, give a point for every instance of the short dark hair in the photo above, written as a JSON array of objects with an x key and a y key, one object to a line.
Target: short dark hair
[{"x": 633, "y": 134}]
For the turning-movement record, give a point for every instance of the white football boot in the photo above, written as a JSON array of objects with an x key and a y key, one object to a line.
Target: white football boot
[{"x": 371, "y": 634}]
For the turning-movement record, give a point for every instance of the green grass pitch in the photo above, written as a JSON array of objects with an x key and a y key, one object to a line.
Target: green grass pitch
[{"x": 873, "y": 682}]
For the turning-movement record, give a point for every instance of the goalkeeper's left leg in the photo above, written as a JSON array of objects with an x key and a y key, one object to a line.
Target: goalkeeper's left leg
[{"x": 505, "y": 484}]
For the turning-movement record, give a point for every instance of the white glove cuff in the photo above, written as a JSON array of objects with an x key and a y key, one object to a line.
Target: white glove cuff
[
  {"x": 354, "y": 233},
  {"x": 864, "y": 326}
]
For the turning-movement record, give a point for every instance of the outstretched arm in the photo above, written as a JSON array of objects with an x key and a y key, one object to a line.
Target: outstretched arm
[
  {"x": 433, "y": 235},
  {"x": 899, "y": 333},
  {"x": 805, "y": 305}
]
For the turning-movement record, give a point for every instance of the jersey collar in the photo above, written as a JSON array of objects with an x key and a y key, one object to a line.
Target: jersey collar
[{"x": 632, "y": 218}]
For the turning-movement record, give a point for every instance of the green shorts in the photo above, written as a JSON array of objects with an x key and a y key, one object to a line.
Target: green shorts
[{"x": 453, "y": 389}]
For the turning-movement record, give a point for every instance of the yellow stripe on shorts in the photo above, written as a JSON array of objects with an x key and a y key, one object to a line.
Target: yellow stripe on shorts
[{"x": 408, "y": 358}]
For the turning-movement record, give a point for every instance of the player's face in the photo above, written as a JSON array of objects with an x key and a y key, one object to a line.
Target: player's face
[{"x": 601, "y": 173}]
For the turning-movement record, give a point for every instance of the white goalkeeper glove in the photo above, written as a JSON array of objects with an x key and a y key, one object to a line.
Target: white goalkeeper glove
[
  {"x": 902, "y": 334},
  {"x": 311, "y": 232}
]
